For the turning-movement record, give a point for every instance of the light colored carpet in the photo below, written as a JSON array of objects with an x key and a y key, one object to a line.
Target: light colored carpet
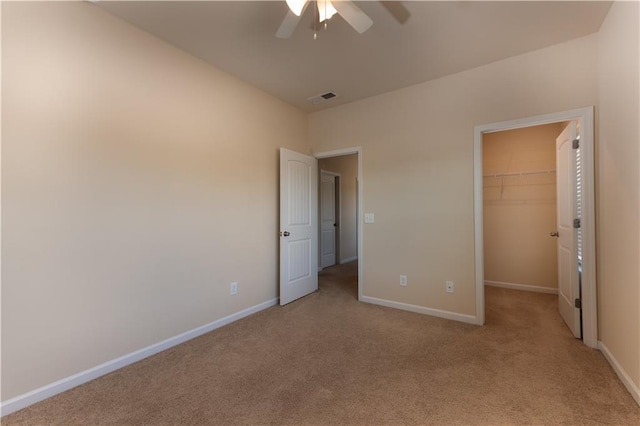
[{"x": 328, "y": 359}]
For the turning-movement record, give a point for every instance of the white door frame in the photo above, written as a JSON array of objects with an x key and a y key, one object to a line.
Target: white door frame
[
  {"x": 589, "y": 296},
  {"x": 360, "y": 229},
  {"x": 338, "y": 213}
]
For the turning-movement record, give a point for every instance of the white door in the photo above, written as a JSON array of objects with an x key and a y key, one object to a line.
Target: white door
[
  {"x": 328, "y": 220},
  {"x": 568, "y": 284},
  {"x": 298, "y": 225}
]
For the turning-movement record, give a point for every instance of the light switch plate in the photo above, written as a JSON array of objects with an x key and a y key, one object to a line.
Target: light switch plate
[{"x": 369, "y": 218}]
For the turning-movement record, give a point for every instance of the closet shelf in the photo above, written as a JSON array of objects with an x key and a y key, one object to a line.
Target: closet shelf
[
  {"x": 514, "y": 202},
  {"x": 538, "y": 172},
  {"x": 519, "y": 185}
]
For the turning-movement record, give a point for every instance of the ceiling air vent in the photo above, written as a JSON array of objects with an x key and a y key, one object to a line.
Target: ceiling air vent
[{"x": 318, "y": 99}]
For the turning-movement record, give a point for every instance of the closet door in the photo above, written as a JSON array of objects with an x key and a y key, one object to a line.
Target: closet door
[{"x": 568, "y": 277}]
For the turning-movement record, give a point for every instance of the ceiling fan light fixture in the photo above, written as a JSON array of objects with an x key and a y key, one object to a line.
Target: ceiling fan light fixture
[
  {"x": 325, "y": 10},
  {"x": 297, "y": 6},
  {"x": 322, "y": 12}
]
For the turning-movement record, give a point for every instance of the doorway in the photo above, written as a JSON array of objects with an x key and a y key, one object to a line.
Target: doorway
[
  {"x": 520, "y": 208},
  {"x": 584, "y": 117},
  {"x": 341, "y": 171},
  {"x": 299, "y": 225}
]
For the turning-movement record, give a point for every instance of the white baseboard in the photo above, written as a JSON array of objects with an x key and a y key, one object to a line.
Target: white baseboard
[
  {"x": 349, "y": 259},
  {"x": 633, "y": 389},
  {"x": 22, "y": 401},
  {"x": 523, "y": 287},
  {"x": 422, "y": 310}
]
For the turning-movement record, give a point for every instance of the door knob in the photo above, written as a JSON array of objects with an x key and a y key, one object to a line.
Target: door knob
[
  {"x": 285, "y": 234},
  {"x": 554, "y": 234}
]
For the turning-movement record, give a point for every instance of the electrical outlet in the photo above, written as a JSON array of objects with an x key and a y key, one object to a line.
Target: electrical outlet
[
  {"x": 449, "y": 286},
  {"x": 403, "y": 280},
  {"x": 234, "y": 288}
]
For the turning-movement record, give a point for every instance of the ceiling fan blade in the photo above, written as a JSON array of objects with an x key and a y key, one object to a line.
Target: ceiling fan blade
[
  {"x": 288, "y": 25},
  {"x": 397, "y": 10},
  {"x": 353, "y": 15}
]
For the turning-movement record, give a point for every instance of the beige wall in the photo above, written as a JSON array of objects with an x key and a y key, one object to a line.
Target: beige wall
[
  {"x": 128, "y": 167},
  {"x": 618, "y": 187},
  {"x": 138, "y": 182},
  {"x": 347, "y": 167},
  {"x": 418, "y": 164},
  {"x": 520, "y": 210}
]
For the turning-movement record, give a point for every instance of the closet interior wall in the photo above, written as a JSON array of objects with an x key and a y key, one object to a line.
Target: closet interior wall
[{"x": 519, "y": 195}]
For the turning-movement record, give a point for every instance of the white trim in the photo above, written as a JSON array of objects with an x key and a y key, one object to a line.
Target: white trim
[
  {"x": 589, "y": 296},
  {"x": 1, "y": 145},
  {"x": 348, "y": 259},
  {"x": 521, "y": 287},
  {"x": 469, "y": 319},
  {"x": 478, "y": 222},
  {"x": 22, "y": 401},
  {"x": 633, "y": 389},
  {"x": 338, "y": 153}
]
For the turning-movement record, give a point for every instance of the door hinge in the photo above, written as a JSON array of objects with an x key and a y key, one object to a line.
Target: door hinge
[
  {"x": 576, "y": 143},
  {"x": 578, "y": 303},
  {"x": 576, "y": 223}
]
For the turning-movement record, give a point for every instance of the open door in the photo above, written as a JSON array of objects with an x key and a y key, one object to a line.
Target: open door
[
  {"x": 328, "y": 219},
  {"x": 298, "y": 225},
  {"x": 568, "y": 277}
]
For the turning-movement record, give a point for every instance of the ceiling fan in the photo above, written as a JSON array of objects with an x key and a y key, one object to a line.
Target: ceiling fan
[{"x": 325, "y": 9}]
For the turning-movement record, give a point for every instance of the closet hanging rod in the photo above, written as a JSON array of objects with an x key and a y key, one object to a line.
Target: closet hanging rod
[{"x": 538, "y": 172}]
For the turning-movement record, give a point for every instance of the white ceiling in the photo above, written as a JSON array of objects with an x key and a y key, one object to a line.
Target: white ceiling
[{"x": 438, "y": 39}]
